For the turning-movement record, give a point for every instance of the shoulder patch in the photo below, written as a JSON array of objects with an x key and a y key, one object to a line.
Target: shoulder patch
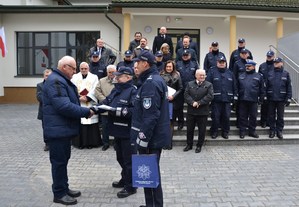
[{"x": 147, "y": 103}]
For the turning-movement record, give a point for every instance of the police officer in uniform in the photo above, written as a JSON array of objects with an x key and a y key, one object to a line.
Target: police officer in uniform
[
  {"x": 264, "y": 69},
  {"x": 150, "y": 121},
  {"x": 119, "y": 125},
  {"x": 225, "y": 92},
  {"x": 211, "y": 57},
  {"x": 235, "y": 56},
  {"x": 97, "y": 66},
  {"x": 251, "y": 91},
  {"x": 128, "y": 60},
  {"x": 279, "y": 94}
]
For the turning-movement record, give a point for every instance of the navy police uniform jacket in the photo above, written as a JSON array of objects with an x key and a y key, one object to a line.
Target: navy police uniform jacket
[
  {"x": 125, "y": 63},
  {"x": 211, "y": 59},
  {"x": 121, "y": 97},
  {"x": 187, "y": 70},
  {"x": 98, "y": 68},
  {"x": 150, "y": 118},
  {"x": 61, "y": 107},
  {"x": 239, "y": 67},
  {"x": 235, "y": 56},
  {"x": 251, "y": 86},
  {"x": 279, "y": 86},
  {"x": 224, "y": 84},
  {"x": 265, "y": 68}
]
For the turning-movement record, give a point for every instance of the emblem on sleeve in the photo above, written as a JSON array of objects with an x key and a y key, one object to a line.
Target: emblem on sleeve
[
  {"x": 147, "y": 103},
  {"x": 141, "y": 135}
]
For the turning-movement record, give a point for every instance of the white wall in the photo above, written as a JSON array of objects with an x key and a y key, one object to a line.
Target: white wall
[{"x": 50, "y": 22}]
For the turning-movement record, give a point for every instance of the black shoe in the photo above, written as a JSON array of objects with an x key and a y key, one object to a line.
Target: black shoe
[
  {"x": 180, "y": 127},
  {"x": 118, "y": 184},
  {"x": 271, "y": 134},
  {"x": 125, "y": 193},
  {"x": 187, "y": 148},
  {"x": 198, "y": 150},
  {"x": 254, "y": 135},
  {"x": 74, "y": 193},
  {"x": 242, "y": 135},
  {"x": 279, "y": 135},
  {"x": 105, "y": 147},
  {"x": 224, "y": 135},
  {"x": 46, "y": 148},
  {"x": 214, "y": 135},
  {"x": 263, "y": 125},
  {"x": 65, "y": 200},
  {"x": 142, "y": 206}
]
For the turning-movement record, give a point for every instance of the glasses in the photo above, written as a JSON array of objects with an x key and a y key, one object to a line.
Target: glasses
[{"x": 74, "y": 68}]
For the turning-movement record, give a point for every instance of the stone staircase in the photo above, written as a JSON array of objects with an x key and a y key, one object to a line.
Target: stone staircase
[{"x": 290, "y": 132}]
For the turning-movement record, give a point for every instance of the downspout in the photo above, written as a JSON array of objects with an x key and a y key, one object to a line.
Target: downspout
[{"x": 120, "y": 36}]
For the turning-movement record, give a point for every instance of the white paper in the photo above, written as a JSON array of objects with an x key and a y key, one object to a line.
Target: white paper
[
  {"x": 105, "y": 107},
  {"x": 171, "y": 91}
]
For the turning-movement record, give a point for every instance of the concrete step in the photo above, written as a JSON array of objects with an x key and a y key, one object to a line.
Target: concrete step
[{"x": 235, "y": 140}]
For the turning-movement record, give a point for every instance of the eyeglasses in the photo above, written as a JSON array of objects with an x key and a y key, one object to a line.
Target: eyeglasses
[{"x": 74, "y": 68}]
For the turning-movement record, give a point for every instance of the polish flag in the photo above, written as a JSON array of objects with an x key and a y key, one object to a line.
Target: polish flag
[{"x": 2, "y": 42}]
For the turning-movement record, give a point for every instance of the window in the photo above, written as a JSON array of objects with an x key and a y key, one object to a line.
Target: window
[{"x": 38, "y": 50}]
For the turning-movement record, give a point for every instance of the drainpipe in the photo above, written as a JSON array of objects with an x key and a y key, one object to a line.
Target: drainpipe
[{"x": 119, "y": 41}]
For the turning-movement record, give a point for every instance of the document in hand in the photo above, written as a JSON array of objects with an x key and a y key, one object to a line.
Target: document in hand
[
  {"x": 171, "y": 91},
  {"x": 106, "y": 107}
]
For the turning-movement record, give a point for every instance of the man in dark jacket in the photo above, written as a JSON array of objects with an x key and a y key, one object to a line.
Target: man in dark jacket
[
  {"x": 251, "y": 91},
  {"x": 211, "y": 57},
  {"x": 128, "y": 60},
  {"x": 279, "y": 94},
  {"x": 61, "y": 117},
  {"x": 264, "y": 69},
  {"x": 39, "y": 97},
  {"x": 225, "y": 92},
  {"x": 235, "y": 56},
  {"x": 136, "y": 42},
  {"x": 198, "y": 95},
  {"x": 150, "y": 121},
  {"x": 97, "y": 66},
  {"x": 160, "y": 39},
  {"x": 106, "y": 54}
]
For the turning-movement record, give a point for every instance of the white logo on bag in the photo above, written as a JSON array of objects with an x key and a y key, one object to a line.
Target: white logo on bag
[{"x": 144, "y": 172}]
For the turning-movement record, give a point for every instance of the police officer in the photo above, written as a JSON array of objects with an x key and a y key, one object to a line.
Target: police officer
[
  {"x": 159, "y": 62},
  {"x": 119, "y": 125},
  {"x": 250, "y": 92},
  {"x": 211, "y": 57},
  {"x": 150, "y": 121},
  {"x": 264, "y": 69},
  {"x": 279, "y": 94},
  {"x": 225, "y": 92},
  {"x": 97, "y": 66},
  {"x": 186, "y": 68},
  {"x": 128, "y": 60},
  {"x": 235, "y": 56}
]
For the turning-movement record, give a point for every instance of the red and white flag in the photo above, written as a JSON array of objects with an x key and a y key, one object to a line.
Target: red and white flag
[{"x": 2, "y": 42}]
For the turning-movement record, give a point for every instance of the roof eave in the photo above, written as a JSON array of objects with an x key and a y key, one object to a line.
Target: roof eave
[{"x": 54, "y": 9}]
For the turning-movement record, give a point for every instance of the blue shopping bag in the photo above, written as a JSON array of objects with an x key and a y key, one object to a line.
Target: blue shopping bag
[{"x": 145, "y": 171}]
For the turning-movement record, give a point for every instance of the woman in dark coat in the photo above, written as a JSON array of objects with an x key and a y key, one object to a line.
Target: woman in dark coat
[{"x": 175, "y": 87}]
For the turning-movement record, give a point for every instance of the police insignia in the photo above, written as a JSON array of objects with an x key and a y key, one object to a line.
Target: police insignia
[
  {"x": 141, "y": 135},
  {"x": 125, "y": 111},
  {"x": 147, "y": 103}
]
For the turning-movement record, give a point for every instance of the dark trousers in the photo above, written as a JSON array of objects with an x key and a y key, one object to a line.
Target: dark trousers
[
  {"x": 247, "y": 116},
  {"x": 153, "y": 196},
  {"x": 60, "y": 153},
  {"x": 264, "y": 113},
  {"x": 105, "y": 135},
  {"x": 178, "y": 114},
  {"x": 220, "y": 116},
  {"x": 201, "y": 122},
  {"x": 124, "y": 153},
  {"x": 276, "y": 115}
]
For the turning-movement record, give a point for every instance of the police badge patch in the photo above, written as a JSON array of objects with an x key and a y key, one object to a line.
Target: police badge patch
[
  {"x": 125, "y": 111},
  {"x": 147, "y": 103}
]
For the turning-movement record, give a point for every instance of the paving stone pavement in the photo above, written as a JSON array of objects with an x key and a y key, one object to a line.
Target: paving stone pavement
[{"x": 219, "y": 176}]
